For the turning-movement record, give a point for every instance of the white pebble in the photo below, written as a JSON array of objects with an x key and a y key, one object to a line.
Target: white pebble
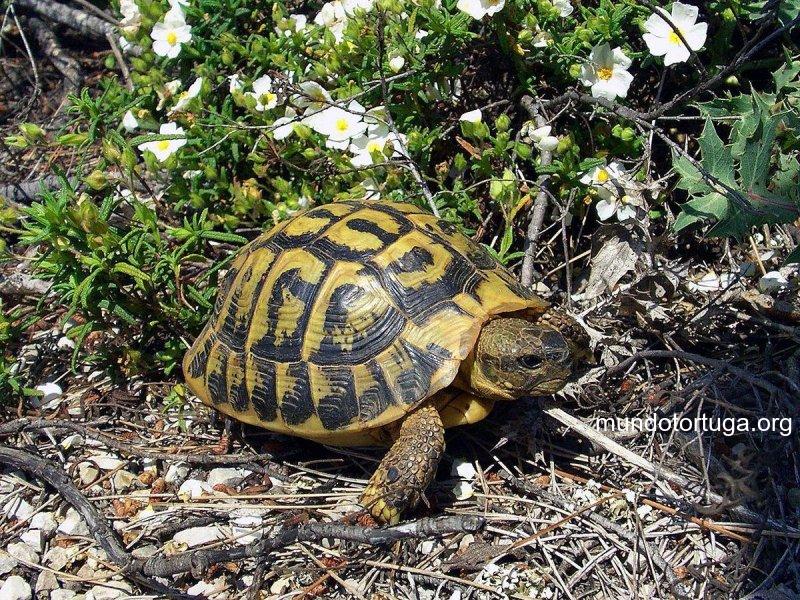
[
  {"x": 107, "y": 462},
  {"x": 463, "y": 491},
  {"x": 50, "y": 391},
  {"x": 62, "y": 594},
  {"x": 7, "y": 562},
  {"x": 772, "y": 282},
  {"x": 17, "y": 508},
  {"x": 45, "y": 582},
  {"x": 15, "y": 588},
  {"x": 64, "y": 343},
  {"x": 46, "y": 522},
  {"x": 463, "y": 469},
  {"x": 196, "y": 536},
  {"x": 176, "y": 473},
  {"x": 216, "y": 589},
  {"x": 72, "y": 441},
  {"x": 23, "y": 553},
  {"x": 34, "y": 539},
  {"x": 73, "y": 524},
  {"x": 227, "y": 476},
  {"x": 193, "y": 489}
]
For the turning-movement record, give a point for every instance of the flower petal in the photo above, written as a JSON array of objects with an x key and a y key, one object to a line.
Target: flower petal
[
  {"x": 656, "y": 25},
  {"x": 677, "y": 53},
  {"x": 696, "y": 36},
  {"x": 657, "y": 45},
  {"x": 684, "y": 15},
  {"x": 605, "y": 209}
]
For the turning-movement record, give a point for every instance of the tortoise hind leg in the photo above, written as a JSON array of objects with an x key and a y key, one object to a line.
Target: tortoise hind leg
[{"x": 408, "y": 467}]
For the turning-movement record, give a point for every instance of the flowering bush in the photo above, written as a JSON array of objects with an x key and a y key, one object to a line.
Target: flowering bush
[{"x": 242, "y": 113}]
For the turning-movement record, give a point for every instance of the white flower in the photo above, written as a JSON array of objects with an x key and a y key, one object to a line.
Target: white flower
[
  {"x": 662, "y": 40},
  {"x": 339, "y": 125},
  {"x": 163, "y": 149},
  {"x": 621, "y": 205},
  {"x": 364, "y": 146},
  {"x": 235, "y": 83},
  {"x": 542, "y": 39},
  {"x": 131, "y": 16},
  {"x": 564, "y": 7},
  {"x": 169, "y": 35},
  {"x": 284, "y": 126},
  {"x": 298, "y": 22},
  {"x": 543, "y": 140},
  {"x": 477, "y": 9},
  {"x": 313, "y": 97},
  {"x": 266, "y": 99},
  {"x": 129, "y": 122},
  {"x": 333, "y": 16},
  {"x": 421, "y": 34},
  {"x": 473, "y": 116},
  {"x": 187, "y": 96},
  {"x": 396, "y": 63},
  {"x": 611, "y": 182},
  {"x": 607, "y": 72},
  {"x": 350, "y": 6}
]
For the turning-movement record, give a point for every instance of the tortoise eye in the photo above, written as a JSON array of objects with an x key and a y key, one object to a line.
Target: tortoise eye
[{"x": 530, "y": 361}]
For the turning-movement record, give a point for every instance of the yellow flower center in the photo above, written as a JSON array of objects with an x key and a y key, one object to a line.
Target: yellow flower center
[
  {"x": 342, "y": 125},
  {"x": 163, "y": 145},
  {"x": 373, "y": 146},
  {"x": 602, "y": 176},
  {"x": 605, "y": 73},
  {"x": 172, "y": 38},
  {"x": 674, "y": 38}
]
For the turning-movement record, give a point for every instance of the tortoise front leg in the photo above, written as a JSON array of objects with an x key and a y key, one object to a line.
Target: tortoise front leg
[{"x": 408, "y": 467}]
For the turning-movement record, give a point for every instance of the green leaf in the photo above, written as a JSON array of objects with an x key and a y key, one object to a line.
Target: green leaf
[
  {"x": 691, "y": 179},
  {"x": 756, "y": 157},
  {"x": 717, "y": 158},
  {"x": 710, "y": 206}
]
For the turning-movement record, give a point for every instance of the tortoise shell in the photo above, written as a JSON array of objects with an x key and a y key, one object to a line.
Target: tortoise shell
[{"x": 346, "y": 317}]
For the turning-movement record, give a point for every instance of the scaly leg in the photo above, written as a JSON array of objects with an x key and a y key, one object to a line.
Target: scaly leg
[{"x": 408, "y": 467}]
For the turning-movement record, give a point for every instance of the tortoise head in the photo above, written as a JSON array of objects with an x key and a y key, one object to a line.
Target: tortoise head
[{"x": 515, "y": 357}]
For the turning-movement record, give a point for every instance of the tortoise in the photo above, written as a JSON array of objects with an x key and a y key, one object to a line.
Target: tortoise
[{"x": 370, "y": 323}]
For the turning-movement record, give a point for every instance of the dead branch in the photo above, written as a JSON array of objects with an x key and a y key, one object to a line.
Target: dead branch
[
  {"x": 29, "y": 424},
  {"x": 48, "y": 44},
  {"x": 198, "y": 561},
  {"x": 68, "y": 16},
  {"x": 722, "y": 365},
  {"x": 641, "y": 544},
  {"x": 534, "y": 108}
]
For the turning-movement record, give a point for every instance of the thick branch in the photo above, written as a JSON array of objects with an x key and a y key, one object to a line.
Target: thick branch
[
  {"x": 198, "y": 561},
  {"x": 48, "y": 44},
  {"x": 71, "y": 17}
]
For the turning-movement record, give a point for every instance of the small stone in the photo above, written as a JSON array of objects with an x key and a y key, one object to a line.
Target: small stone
[
  {"x": 772, "y": 282},
  {"x": 88, "y": 473},
  {"x": 45, "y": 582},
  {"x": 46, "y": 522},
  {"x": 150, "y": 465},
  {"x": 216, "y": 589},
  {"x": 105, "y": 592},
  {"x": 246, "y": 530},
  {"x": 15, "y": 588},
  {"x": 427, "y": 546},
  {"x": 197, "y": 536},
  {"x": 50, "y": 392},
  {"x": 57, "y": 557},
  {"x": 191, "y": 489},
  {"x": 62, "y": 594},
  {"x": 463, "y": 491},
  {"x": 463, "y": 469},
  {"x": 64, "y": 343},
  {"x": 176, "y": 473},
  {"x": 280, "y": 585},
  {"x": 123, "y": 480},
  {"x": 23, "y": 553},
  {"x": 73, "y": 524},
  {"x": 106, "y": 462},
  {"x": 17, "y": 508},
  {"x": 227, "y": 476},
  {"x": 7, "y": 562},
  {"x": 34, "y": 539},
  {"x": 72, "y": 441}
]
